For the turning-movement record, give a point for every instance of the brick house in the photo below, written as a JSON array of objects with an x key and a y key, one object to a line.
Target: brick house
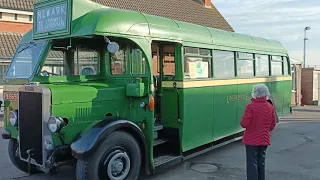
[{"x": 310, "y": 86}]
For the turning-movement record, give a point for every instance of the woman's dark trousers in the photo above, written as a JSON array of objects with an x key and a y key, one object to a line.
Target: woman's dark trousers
[{"x": 256, "y": 162}]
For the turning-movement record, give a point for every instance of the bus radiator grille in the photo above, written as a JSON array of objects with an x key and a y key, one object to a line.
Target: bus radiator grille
[{"x": 30, "y": 125}]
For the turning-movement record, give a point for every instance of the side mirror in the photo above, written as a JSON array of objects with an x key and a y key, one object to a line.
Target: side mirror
[{"x": 113, "y": 47}]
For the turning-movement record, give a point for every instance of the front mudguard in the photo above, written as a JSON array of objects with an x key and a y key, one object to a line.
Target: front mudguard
[
  {"x": 88, "y": 143},
  {"x": 5, "y": 134}
]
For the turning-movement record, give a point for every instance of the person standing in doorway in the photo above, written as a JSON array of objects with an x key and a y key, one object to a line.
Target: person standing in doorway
[{"x": 258, "y": 120}]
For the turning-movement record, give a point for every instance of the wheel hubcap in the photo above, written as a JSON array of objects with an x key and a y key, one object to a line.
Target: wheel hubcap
[{"x": 117, "y": 165}]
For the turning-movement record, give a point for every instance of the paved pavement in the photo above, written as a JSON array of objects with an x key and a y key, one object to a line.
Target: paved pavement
[{"x": 293, "y": 155}]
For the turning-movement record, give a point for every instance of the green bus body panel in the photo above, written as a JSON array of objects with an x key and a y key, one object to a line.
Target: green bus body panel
[
  {"x": 212, "y": 113},
  {"x": 85, "y": 92},
  {"x": 84, "y": 104}
]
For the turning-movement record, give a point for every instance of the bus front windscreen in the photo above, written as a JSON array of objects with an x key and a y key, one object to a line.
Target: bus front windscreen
[{"x": 25, "y": 60}]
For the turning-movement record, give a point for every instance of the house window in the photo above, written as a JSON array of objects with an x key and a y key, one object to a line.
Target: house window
[
  {"x": 30, "y": 18},
  {"x": 0, "y": 15},
  {"x": 15, "y": 16}
]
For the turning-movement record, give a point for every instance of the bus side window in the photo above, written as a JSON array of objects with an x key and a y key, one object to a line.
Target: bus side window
[
  {"x": 276, "y": 65},
  {"x": 155, "y": 60},
  {"x": 169, "y": 61},
  {"x": 118, "y": 62},
  {"x": 262, "y": 65},
  {"x": 245, "y": 65},
  {"x": 138, "y": 62},
  {"x": 223, "y": 64},
  {"x": 197, "y": 63},
  {"x": 285, "y": 66}
]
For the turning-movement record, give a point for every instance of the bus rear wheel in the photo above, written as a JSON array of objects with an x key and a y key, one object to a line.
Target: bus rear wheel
[{"x": 117, "y": 158}]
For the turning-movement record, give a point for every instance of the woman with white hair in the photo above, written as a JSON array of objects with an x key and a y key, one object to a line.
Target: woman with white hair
[{"x": 258, "y": 120}]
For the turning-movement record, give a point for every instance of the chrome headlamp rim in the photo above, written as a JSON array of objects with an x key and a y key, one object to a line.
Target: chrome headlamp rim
[
  {"x": 15, "y": 114},
  {"x": 57, "y": 121}
]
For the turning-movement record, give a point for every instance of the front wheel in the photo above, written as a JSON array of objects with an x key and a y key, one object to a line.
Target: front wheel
[
  {"x": 15, "y": 158},
  {"x": 117, "y": 158}
]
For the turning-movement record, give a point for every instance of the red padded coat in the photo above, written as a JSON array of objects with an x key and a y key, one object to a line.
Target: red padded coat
[{"x": 259, "y": 120}]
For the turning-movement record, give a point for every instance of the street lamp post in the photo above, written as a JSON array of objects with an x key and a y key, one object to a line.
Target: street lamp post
[{"x": 305, "y": 40}]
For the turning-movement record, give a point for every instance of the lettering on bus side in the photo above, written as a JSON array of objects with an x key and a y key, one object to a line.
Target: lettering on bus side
[{"x": 237, "y": 97}]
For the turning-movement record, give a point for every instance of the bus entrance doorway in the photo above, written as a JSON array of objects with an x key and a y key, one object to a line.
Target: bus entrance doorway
[
  {"x": 163, "y": 69},
  {"x": 166, "y": 135}
]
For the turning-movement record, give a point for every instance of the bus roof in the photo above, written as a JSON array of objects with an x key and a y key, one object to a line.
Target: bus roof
[{"x": 105, "y": 20}]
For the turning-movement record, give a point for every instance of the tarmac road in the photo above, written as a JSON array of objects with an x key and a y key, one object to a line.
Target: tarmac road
[{"x": 293, "y": 155}]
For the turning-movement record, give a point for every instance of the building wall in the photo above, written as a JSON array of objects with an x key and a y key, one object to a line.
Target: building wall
[
  {"x": 15, "y": 27},
  {"x": 307, "y": 86},
  {"x": 315, "y": 86},
  {"x": 13, "y": 17},
  {"x": 296, "y": 84},
  {"x": 15, "y": 21}
]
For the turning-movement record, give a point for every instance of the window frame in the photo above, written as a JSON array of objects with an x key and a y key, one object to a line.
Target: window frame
[
  {"x": 288, "y": 65},
  {"x": 276, "y": 60},
  {"x": 269, "y": 65},
  {"x": 126, "y": 51},
  {"x": 234, "y": 64},
  {"x": 245, "y": 59},
  {"x": 198, "y": 55},
  {"x": 131, "y": 48}
]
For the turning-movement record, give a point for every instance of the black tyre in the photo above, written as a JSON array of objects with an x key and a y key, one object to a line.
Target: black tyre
[
  {"x": 117, "y": 158},
  {"x": 15, "y": 159}
]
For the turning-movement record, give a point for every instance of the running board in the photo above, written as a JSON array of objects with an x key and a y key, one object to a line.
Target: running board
[
  {"x": 165, "y": 161},
  {"x": 212, "y": 148},
  {"x": 159, "y": 141}
]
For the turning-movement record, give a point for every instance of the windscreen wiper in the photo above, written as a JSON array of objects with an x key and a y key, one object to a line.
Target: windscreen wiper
[{"x": 27, "y": 48}]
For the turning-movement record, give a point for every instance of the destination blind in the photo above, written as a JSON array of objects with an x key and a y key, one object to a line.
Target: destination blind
[{"x": 53, "y": 18}]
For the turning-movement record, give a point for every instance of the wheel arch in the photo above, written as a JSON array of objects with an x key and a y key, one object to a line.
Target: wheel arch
[{"x": 86, "y": 144}]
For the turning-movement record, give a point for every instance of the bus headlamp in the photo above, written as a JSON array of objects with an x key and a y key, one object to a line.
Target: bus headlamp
[
  {"x": 55, "y": 124},
  {"x": 13, "y": 118}
]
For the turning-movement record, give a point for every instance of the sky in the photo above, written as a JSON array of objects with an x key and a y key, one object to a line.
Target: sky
[{"x": 282, "y": 20}]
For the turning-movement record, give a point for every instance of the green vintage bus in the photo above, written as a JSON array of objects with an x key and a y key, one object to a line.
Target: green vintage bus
[{"x": 115, "y": 92}]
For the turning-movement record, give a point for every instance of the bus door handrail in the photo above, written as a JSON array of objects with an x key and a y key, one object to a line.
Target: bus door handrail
[{"x": 178, "y": 99}]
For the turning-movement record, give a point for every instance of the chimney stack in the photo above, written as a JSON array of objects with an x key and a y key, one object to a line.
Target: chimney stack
[{"x": 207, "y": 3}]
